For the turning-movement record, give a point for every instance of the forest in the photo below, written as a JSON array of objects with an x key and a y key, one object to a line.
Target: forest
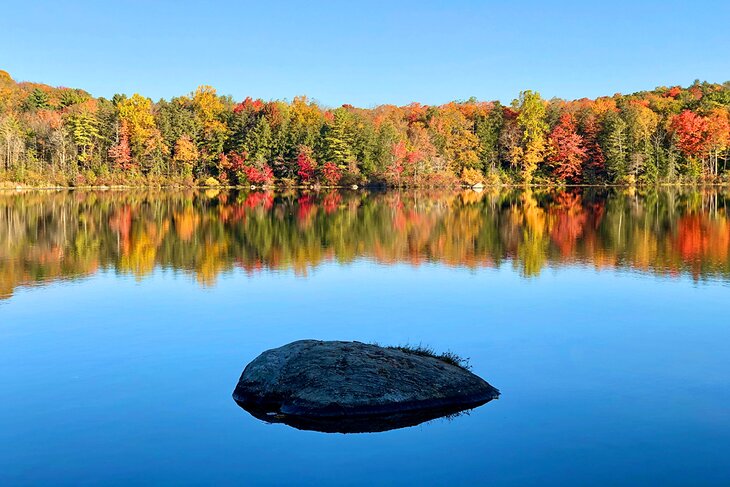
[{"x": 57, "y": 136}]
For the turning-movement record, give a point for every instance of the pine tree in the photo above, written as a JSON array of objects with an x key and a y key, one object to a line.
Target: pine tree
[
  {"x": 37, "y": 100},
  {"x": 488, "y": 128},
  {"x": 337, "y": 139}
]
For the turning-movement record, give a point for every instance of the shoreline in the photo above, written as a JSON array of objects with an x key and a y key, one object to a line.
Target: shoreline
[{"x": 6, "y": 186}]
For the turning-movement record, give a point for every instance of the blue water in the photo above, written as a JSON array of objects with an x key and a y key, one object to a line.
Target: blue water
[{"x": 609, "y": 377}]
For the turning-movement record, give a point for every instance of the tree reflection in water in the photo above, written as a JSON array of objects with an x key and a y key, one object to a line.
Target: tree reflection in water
[{"x": 49, "y": 236}]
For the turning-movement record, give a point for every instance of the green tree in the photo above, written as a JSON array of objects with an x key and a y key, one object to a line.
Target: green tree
[
  {"x": 337, "y": 138},
  {"x": 37, "y": 100},
  {"x": 71, "y": 97},
  {"x": 258, "y": 142},
  {"x": 614, "y": 141},
  {"x": 386, "y": 137},
  {"x": 176, "y": 119},
  {"x": 488, "y": 126}
]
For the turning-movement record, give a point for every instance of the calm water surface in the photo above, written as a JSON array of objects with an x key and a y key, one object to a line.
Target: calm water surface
[{"x": 126, "y": 319}]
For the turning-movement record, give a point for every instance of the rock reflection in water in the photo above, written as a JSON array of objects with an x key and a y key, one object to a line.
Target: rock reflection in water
[{"x": 361, "y": 424}]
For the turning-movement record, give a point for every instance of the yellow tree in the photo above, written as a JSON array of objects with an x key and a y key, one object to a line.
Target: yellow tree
[
  {"x": 718, "y": 136},
  {"x": 83, "y": 125},
  {"x": 208, "y": 109},
  {"x": 156, "y": 153},
  {"x": 186, "y": 153},
  {"x": 305, "y": 124},
  {"x": 642, "y": 124},
  {"x": 455, "y": 138},
  {"x": 7, "y": 86},
  {"x": 136, "y": 112},
  {"x": 531, "y": 122}
]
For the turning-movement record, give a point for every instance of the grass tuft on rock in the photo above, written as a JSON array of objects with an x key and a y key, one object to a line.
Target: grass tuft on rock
[{"x": 425, "y": 351}]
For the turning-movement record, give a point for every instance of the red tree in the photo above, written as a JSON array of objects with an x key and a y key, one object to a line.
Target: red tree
[
  {"x": 306, "y": 164},
  {"x": 331, "y": 174},
  {"x": 249, "y": 105},
  {"x": 231, "y": 166},
  {"x": 673, "y": 92},
  {"x": 568, "y": 152},
  {"x": 595, "y": 159},
  {"x": 234, "y": 165},
  {"x": 397, "y": 166},
  {"x": 255, "y": 175},
  {"x": 691, "y": 132},
  {"x": 120, "y": 153}
]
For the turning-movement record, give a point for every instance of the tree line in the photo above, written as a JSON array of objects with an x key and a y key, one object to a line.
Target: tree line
[{"x": 63, "y": 136}]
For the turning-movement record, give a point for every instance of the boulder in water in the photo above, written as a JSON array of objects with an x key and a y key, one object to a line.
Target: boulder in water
[{"x": 352, "y": 386}]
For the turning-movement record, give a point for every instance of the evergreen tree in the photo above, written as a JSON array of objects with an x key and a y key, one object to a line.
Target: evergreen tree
[
  {"x": 258, "y": 142},
  {"x": 487, "y": 128},
  {"x": 614, "y": 142},
  {"x": 37, "y": 100}
]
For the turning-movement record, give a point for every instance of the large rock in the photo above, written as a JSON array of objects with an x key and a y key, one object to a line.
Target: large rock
[{"x": 353, "y": 386}]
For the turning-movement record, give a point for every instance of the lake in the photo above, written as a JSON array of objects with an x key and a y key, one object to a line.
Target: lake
[{"x": 126, "y": 319}]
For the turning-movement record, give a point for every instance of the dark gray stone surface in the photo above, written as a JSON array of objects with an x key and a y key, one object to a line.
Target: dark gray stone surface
[{"x": 311, "y": 380}]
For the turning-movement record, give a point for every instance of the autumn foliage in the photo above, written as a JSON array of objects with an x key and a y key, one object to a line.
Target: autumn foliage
[
  {"x": 331, "y": 174},
  {"x": 691, "y": 131},
  {"x": 568, "y": 154},
  {"x": 670, "y": 134},
  {"x": 120, "y": 153},
  {"x": 306, "y": 165}
]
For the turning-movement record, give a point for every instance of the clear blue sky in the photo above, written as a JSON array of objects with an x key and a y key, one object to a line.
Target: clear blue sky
[{"x": 366, "y": 53}]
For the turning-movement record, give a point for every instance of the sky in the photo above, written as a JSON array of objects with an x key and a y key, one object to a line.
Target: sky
[{"x": 366, "y": 53}]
